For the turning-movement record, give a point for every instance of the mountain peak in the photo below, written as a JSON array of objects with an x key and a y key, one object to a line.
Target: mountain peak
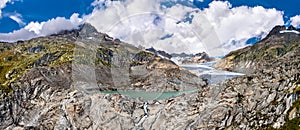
[
  {"x": 291, "y": 28},
  {"x": 87, "y": 28},
  {"x": 280, "y": 29},
  {"x": 276, "y": 30}
]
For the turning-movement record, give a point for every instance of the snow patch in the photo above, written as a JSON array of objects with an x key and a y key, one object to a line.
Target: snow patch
[{"x": 289, "y": 31}]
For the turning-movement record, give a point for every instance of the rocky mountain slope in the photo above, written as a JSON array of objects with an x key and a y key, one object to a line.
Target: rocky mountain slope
[
  {"x": 277, "y": 43},
  {"x": 87, "y": 50},
  {"x": 49, "y": 94},
  {"x": 83, "y": 60}
]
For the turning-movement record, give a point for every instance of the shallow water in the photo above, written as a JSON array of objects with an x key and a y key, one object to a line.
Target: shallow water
[{"x": 204, "y": 70}]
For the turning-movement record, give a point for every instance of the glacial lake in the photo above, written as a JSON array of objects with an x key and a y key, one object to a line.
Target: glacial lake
[{"x": 204, "y": 70}]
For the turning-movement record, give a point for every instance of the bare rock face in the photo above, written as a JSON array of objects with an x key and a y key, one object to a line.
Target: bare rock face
[
  {"x": 65, "y": 90},
  {"x": 45, "y": 98},
  {"x": 62, "y": 108}
]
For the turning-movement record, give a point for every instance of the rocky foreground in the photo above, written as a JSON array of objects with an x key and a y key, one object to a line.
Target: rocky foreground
[{"x": 47, "y": 90}]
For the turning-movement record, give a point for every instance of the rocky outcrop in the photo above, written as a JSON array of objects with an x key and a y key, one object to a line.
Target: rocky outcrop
[
  {"x": 264, "y": 99},
  {"x": 261, "y": 54}
]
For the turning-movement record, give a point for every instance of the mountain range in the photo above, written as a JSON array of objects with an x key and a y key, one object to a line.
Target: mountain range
[{"x": 78, "y": 79}]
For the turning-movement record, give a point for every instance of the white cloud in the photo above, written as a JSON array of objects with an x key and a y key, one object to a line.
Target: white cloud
[
  {"x": 235, "y": 26},
  {"x": 36, "y": 29},
  {"x": 218, "y": 29},
  {"x": 145, "y": 25},
  {"x": 295, "y": 21},
  {"x": 2, "y": 5},
  {"x": 17, "y": 18},
  {"x": 214, "y": 29},
  {"x": 58, "y": 24}
]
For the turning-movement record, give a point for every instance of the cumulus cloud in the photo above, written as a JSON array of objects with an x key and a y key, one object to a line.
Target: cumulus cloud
[
  {"x": 2, "y": 5},
  {"x": 218, "y": 29},
  {"x": 295, "y": 21},
  {"x": 145, "y": 25},
  {"x": 36, "y": 29},
  {"x": 235, "y": 26}
]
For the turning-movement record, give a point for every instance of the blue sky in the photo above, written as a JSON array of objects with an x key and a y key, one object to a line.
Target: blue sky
[
  {"x": 216, "y": 27},
  {"x": 41, "y": 10}
]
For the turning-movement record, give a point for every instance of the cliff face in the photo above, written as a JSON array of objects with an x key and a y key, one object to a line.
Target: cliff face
[
  {"x": 265, "y": 99},
  {"x": 62, "y": 89},
  {"x": 262, "y": 54}
]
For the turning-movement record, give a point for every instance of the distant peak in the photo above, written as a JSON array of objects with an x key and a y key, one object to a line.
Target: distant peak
[
  {"x": 87, "y": 28},
  {"x": 280, "y": 30},
  {"x": 291, "y": 28}
]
